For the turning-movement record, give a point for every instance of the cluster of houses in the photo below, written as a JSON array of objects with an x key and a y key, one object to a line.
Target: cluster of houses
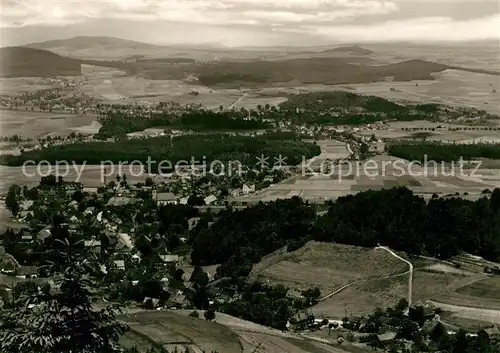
[{"x": 356, "y": 329}]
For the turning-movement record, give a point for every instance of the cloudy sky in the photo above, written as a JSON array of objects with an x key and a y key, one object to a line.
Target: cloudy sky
[{"x": 251, "y": 22}]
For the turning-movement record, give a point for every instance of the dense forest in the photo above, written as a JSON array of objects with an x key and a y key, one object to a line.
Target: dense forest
[
  {"x": 396, "y": 218},
  {"x": 441, "y": 152},
  {"x": 119, "y": 123},
  {"x": 339, "y": 99},
  {"x": 224, "y": 148}
]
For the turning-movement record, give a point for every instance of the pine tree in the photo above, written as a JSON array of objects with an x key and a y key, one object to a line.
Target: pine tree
[
  {"x": 61, "y": 319},
  {"x": 12, "y": 199}
]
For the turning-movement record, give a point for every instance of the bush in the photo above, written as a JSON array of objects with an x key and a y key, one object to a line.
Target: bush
[{"x": 209, "y": 314}]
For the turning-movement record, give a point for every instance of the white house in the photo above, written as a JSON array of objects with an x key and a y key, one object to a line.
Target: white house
[
  {"x": 165, "y": 198},
  {"x": 125, "y": 240},
  {"x": 247, "y": 189},
  {"x": 210, "y": 199},
  {"x": 170, "y": 258}
]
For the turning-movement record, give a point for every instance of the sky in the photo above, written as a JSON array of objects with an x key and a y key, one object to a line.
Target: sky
[{"x": 251, "y": 22}]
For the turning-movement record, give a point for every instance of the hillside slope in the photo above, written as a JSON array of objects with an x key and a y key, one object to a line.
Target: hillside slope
[
  {"x": 29, "y": 62},
  {"x": 84, "y": 42},
  {"x": 101, "y": 48},
  {"x": 353, "y": 49},
  {"x": 226, "y": 335}
]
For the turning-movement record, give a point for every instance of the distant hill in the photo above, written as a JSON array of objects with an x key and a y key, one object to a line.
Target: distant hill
[
  {"x": 29, "y": 62},
  {"x": 352, "y": 49},
  {"x": 101, "y": 48},
  {"x": 83, "y": 42}
]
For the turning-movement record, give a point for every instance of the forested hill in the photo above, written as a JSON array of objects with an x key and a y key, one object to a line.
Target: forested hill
[
  {"x": 28, "y": 62},
  {"x": 396, "y": 218}
]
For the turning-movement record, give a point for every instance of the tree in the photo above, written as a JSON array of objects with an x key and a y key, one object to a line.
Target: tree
[
  {"x": 195, "y": 200},
  {"x": 402, "y": 304},
  {"x": 495, "y": 200},
  {"x": 149, "y": 181},
  {"x": 209, "y": 314},
  {"x": 199, "y": 277},
  {"x": 61, "y": 319},
  {"x": 460, "y": 342},
  {"x": 12, "y": 199}
]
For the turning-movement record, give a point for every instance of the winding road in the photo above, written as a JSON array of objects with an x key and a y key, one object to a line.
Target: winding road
[{"x": 410, "y": 279}]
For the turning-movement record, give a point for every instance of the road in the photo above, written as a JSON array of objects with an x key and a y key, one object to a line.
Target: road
[
  {"x": 410, "y": 279},
  {"x": 358, "y": 282},
  {"x": 237, "y": 101}
]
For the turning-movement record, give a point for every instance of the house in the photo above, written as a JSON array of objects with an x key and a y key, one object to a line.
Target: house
[
  {"x": 89, "y": 211},
  {"x": 210, "y": 199},
  {"x": 125, "y": 240},
  {"x": 44, "y": 234},
  {"x": 165, "y": 198},
  {"x": 294, "y": 294},
  {"x": 193, "y": 222},
  {"x": 104, "y": 269},
  {"x": 26, "y": 204},
  {"x": 94, "y": 244},
  {"x": 428, "y": 310},
  {"x": 269, "y": 178},
  {"x": 120, "y": 264},
  {"x": 150, "y": 303},
  {"x": 430, "y": 326},
  {"x": 386, "y": 338},
  {"x": 117, "y": 201},
  {"x": 176, "y": 300},
  {"x": 27, "y": 238},
  {"x": 247, "y": 189},
  {"x": 236, "y": 192},
  {"x": 490, "y": 334},
  {"x": 170, "y": 258}
]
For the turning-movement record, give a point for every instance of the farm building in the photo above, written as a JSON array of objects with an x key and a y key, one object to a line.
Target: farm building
[
  {"x": 165, "y": 198},
  {"x": 491, "y": 334}
]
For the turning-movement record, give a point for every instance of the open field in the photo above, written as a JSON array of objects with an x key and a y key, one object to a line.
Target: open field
[
  {"x": 353, "y": 177},
  {"x": 374, "y": 279},
  {"x": 114, "y": 86},
  {"x": 481, "y": 294},
  {"x": 466, "y": 135},
  {"x": 375, "y": 174},
  {"x": 170, "y": 329},
  {"x": 450, "y": 87},
  {"x": 479, "y": 55},
  {"x": 327, "y": 266},
  {"x": 91, "y": 176},
  {"x": 484, "y": 315},
  {"x": 29, "y": 124},
  {"x": 366, "y": 297},
  {"x": 17, "y": 85},
  {"x": 226, "y": 334}
]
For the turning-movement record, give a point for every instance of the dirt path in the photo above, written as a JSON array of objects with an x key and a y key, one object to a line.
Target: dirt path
[
  {"x": 236, "y": 101},
  {"x": 359, "y": 282}
]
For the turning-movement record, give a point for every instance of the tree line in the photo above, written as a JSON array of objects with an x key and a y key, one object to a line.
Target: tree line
[
  {"x": 442, "y": 152},
  {"x": 396, "y": 218},
  {"x": 118, "y": 123},
  {"x": 244, "y": 149}
]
